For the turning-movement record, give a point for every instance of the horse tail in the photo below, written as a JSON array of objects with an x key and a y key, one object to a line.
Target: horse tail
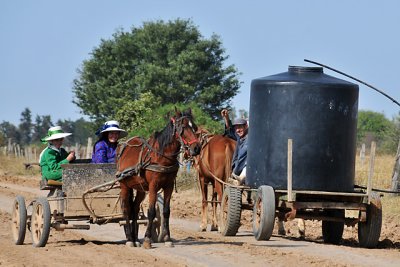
[{"x": 228, "y": 160}]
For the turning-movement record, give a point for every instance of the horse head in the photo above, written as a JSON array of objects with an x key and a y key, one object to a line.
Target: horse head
[{"x": 185, "y": 129}]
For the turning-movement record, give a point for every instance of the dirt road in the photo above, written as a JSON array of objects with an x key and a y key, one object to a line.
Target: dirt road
[{"x": 104, "y": 245}]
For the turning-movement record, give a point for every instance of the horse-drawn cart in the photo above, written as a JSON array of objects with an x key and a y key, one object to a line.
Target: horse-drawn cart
[
  {"x": 89, "y": 194},
  {"x": 334, "y": 209}
]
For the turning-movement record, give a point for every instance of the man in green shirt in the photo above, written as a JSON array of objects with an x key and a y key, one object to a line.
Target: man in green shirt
[{"x": 54, "y": 155}]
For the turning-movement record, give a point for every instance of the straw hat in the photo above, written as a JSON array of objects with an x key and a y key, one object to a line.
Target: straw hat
[
  {"x": 55, "y": 132},
  {"x": 111, "y": 126}
]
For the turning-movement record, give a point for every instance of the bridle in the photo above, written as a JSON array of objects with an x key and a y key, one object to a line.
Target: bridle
[{"x": 179, "y": 129}]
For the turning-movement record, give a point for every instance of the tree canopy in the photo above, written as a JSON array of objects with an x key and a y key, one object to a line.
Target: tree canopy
[
  {"x": 374, "y": 126},
  {"x": 144, "y": 116},
  {"x": 171, "y": 60}
]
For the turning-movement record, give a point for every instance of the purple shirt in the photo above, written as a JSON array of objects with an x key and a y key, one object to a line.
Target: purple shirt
[{"x": 104, "y": 152}]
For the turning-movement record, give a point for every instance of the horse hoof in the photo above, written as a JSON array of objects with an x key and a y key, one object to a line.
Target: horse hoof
[
  {"x": 137, "y": 244},
  {"x": 147, "y": 244},
  {"x": 202, "y": 229},
  {"x": 214, "y": 228},
  {"x": 129, "y": 244},
  {"x": 169, "y": 244},
  {"x": 280, "y": 232}
]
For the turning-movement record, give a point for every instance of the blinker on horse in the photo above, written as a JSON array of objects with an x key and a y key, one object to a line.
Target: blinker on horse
[{"x": 150, "y": 166}]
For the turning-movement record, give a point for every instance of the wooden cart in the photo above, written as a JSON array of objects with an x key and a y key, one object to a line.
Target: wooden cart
[
  {"x": 329, "y": 207},
  {"x": 88, "y": 195}
]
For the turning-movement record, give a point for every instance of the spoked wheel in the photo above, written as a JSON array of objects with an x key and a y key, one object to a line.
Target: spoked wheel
[
  {"x": 264, "y": 213},
  {"x": 40, "y": 222},
  {"x": 156, "y": 231},
  {"x": 332, "y": 232},
  {"x": 370, "y": 231},
  {"x": 18, "y": 221},
  {"x": 231, "y": 210}
]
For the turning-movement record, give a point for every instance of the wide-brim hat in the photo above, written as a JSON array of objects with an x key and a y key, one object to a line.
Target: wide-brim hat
[
  {"x": 112, "y": 126},
  {"x": 239, "y": 121},
  {"x": 55, "y": 132}
]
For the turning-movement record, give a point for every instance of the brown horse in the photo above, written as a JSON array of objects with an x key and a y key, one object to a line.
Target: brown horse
[
  {"x": 150, "y": 166},
  {"x": 213, "y": 164}
]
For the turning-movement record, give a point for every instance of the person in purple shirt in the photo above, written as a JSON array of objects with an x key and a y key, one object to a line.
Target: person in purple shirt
[{"x": 104, "y": 148}]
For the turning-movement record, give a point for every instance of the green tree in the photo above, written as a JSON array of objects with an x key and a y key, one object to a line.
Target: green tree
[
  {"x": 373, "y": 126},
  {"x": 135, "y": 113},
  {"x": 25, "y": 127},
  {"x": 392, "y": 139},
  {"x": 170, "y": 59},
  {"x": 40, "y": 127},
  {"x": 82, "y": 130},
  {"x": 8, "y": 131},
  {"x": 144, "y": 116}
]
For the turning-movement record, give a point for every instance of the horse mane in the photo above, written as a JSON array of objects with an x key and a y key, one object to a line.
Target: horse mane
[{"x": 165, "y": 136}]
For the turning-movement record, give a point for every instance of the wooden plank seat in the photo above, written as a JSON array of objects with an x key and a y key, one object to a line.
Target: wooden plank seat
[{"x": 50, "y": 184}]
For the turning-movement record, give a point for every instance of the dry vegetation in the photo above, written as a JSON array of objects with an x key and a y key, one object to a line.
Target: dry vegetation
[
  {"x": 383, "y": 168},
  {"x": 382, "y": 179}
]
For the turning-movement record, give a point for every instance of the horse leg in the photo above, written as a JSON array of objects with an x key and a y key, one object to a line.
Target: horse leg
[
  {"x": 136, "y": 208},
  {"x": 214, "y": 224},
  {"x": 219, "y": 189},
  {"x": 301, "y": 227},
  {"x": 204, "y": 195},
  {"x": 126, "y": 195},
  {"x": 166, "y": 213},
  {"x": 281, "y": 227},
  {"x": 151, "y": 214}
]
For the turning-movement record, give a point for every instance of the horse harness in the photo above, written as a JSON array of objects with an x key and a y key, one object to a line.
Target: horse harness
[{"x": 144, "y": 162}]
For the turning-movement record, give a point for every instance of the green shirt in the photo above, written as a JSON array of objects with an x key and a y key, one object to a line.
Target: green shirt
[{"x": 50, "y": 163}]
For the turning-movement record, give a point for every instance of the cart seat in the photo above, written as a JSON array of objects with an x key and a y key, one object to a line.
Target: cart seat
[{"x": 50, "y": 185}]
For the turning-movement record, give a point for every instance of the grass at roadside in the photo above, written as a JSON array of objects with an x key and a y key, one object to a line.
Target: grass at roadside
[
  {"x": 382, "y": 179},
  {"x": 13, "y": 166}
]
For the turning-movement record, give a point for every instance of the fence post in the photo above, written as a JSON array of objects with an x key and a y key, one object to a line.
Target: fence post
[
  {"x": 396, "y": 170},
  {"x": 10, "y": 147},
  {"x": 89, "y": 148},
  {"x": 362, "y": 154}
]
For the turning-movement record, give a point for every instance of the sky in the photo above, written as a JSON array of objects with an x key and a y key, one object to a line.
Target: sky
[{"x": 44, "y": 42}]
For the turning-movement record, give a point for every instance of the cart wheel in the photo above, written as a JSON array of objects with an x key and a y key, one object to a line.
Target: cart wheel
[
  {"x": 156, "y": 231},
  {"x": 370, "y": 231},
  {"x": 264, "y": 213},
  {"x": 40, "y": 222},
  {"x": 231, "y": 210},
  {"x": 332, "y": 232},
  {"x": 18, "y": 222}
]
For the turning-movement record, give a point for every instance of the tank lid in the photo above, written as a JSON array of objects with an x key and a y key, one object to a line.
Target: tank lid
[{"x": 300, "y": 69}]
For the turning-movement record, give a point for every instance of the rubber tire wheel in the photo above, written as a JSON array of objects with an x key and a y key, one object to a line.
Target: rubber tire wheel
[
  {"x": 18, "y": 222},
  {"x": 264, "y": 213},
  {"x": 332, "y": 232},
  {"x": 40, "y": 222},
  {"x": 370, "y": 231},
  {"x": 156, "y": 231},
  {"x": 231, "y": 211}
]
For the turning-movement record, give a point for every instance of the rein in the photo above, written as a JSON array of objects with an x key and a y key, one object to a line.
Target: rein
[{"x": 146, "y": 165}]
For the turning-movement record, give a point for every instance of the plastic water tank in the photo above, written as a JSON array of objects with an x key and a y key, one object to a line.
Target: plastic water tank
[{"x": 319, "y": 113}]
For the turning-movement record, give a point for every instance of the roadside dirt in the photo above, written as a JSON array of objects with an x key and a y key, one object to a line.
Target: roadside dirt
[{"x": 104, "y": 245}]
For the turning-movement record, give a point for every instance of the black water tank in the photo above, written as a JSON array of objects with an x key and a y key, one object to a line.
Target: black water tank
[{"x": 317, "y": 111}]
